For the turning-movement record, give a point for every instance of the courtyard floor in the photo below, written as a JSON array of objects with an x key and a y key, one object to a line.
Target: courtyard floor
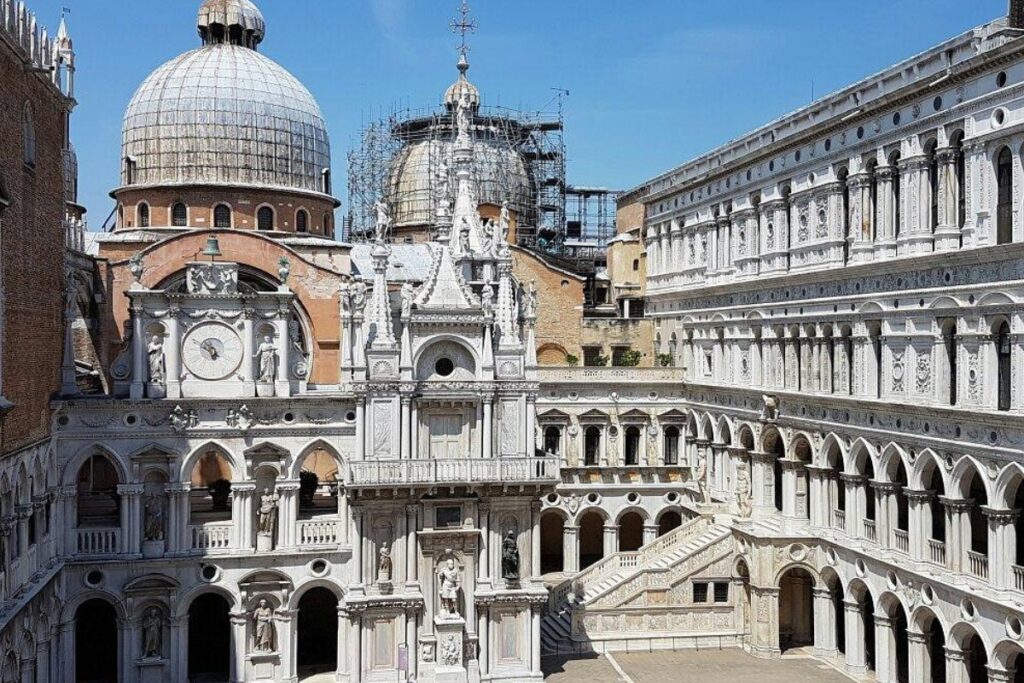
[{"x": 707, "y": 666}]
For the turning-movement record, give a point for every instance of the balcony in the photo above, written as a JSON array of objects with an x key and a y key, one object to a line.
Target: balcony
[
  {"x": 937, "y": 552},
  {"x": 870, "y": 530},
  {"x": 99, "y": 540},
  {"x": 212, "y": 536},
  {"x": 455, "y": 471},
  {"x": 313, "y": 532},
  {"x": 1018, "y": 577},
  {"x": 616, "y": 375},
  {"x": 902, "y": 540},
  {"x": 839, "y": 519},
  {"x": 977, "y": 564}
]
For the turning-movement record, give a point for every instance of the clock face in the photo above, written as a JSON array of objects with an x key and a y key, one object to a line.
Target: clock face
[{"x": 212, "y": 351}]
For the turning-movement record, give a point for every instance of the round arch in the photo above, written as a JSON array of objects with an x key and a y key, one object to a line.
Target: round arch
[
  {"x": 189, "y": 462},
  {"x": 70, "y": 475}
]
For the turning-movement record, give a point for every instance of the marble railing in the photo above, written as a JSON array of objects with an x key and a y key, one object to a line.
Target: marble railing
[
  {"x": 937, "y": 552},
  {"x": 1018, "y": 577},
  {"x": 99, "y": 540},
  {"x": 455, "y": 471},
  {"x": 211, "y": 536},
  {"x": 902, "y": 540},
  {"x": 590, "y": 375},
  {"x": 977, "y": 564},
  {"x": 318, "y": 532}
]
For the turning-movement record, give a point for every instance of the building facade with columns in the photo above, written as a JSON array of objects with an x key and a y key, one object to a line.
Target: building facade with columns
[{"x": 285, "y": 458}]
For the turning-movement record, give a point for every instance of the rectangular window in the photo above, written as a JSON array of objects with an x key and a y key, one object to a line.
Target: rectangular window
[
  {"x": 592, "y": 356},
  {"x": 721, "y": 591},
  {"x": 618, "y": 354},
  {"x": 446, "y": 517},
  {"x": 700, "y": 593}
]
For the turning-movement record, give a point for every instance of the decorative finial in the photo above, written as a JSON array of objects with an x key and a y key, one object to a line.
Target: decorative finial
[{"x": 464, "y": 25}]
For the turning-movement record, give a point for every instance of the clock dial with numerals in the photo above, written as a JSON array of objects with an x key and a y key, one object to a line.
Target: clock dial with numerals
[{"x": 212, "y": 351}]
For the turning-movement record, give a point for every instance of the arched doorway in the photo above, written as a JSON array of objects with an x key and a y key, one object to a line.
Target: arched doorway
[
  {"x": 631, "y": 532},
  {"x": 96, "y": 657},
  {"x": 317, "y": 632},
  {"x": 899, "y": 642},
  {"x": 975, "y": 658},
  {"x": 670, "y": 520},
  {"x": 552, "y": 550},
  {"x": 591, "y": 539},
  {"x": 835, "y": 594},
  {"x": 934, "y": 660},
  {"x": 796, "y": 609},
  {"x": 209, "y": 639}
]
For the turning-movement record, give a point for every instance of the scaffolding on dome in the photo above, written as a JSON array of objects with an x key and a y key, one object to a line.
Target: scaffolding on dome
[{"x": 405, "y": 158}]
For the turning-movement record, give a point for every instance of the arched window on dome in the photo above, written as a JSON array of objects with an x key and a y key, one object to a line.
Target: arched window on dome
[
  {"x": 142, "y": 212},
  {"x": 326, "y": 174},
  {"x": 222, "y": 216},
  {"x": 302, "y": 221},
  {"x": 28, "y": 137},
  {"x": 265, "y": 218},
  {"x": 179, "y": 215},
  {"x": 328, "y": 228}
]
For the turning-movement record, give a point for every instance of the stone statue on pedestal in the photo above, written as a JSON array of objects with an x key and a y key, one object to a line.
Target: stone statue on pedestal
[
  {"x": 510, "y": 557},
  {"x": 743, "y": 491},
  {"x": 449, "y": 580},
  {"x": 153, "y": 521},
  {"x": 384, "y": 564},
  {"x": 152, "y": 633},
  {"x": 264, "y": 632},
  {"x": 267, "y": 355},
  {"x": 268, "y": 511},
  {"x": 408, "y": 294},
  {"x": 700, "y": 475},
  {"x": 155, "y": 351}
]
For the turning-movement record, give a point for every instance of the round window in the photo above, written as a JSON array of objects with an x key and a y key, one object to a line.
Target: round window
[{"x": 444, "y": 367}]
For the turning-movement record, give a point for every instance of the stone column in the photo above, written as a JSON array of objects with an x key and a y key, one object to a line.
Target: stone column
[
  {"x": 242, "y": 512},
  {"x": 283, "y": 384},
  {"x": 650, "y": 533},
  {"x": 570, "y": 549},
  {"x": 956, "y": 518},
  {"x": 1001, "y": 524},
  {"x": 360, "y": 428},
  {"x": 485, "y": 542},
  {"x": 131, "y": 518},
  {"x": 239, "y": 645},
  {"x": 139, "y": 354},
  {"x": 172, "y": 356},
  {"x": 406, "y": 421},
  {"x": 488, "y": 427},
  {"x": 763, "y": 482},
  {"x": 919, "y": 532},
  {"x": 956, "y": 666},
  {"x": 856, "y": 499},
  {"x": 885, "y": 650},
  {"x": 355, "y": 648},
  {"x": 1000, "y": 675},
  {"x": 611, "y": 539},
  {"x": 885, "y": 241},
  {"x": 535, "y": 641},
  {"x": 535, "y": 539},
  {"x": 288, "y": 518},
  {"x": 947, "y": 234},
  {"x": 484, "y": 644},
  {"x": 531, "y": 426},
  {"x": 919, "y": 665},
  {"x": 284, "y": 620},
  {"x": 856, "y": 660},
  {"x": 885, "y": 512},
  {"x": 824, "y": 624},
  {"x": 862, "y": 219},
  {"x": 343, "y": 672},
  {"x": 414, "y": 431},
  {"x": 249, "y": 349}
]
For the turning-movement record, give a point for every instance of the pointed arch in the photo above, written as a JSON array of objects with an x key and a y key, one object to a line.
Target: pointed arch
[
  {"x": 960, "y": 478},
  {"x": 921, "y": 470},
  {"x": 832, "y": 451},
  {"x": 859, "y": 456},
  {"x": 1010, "y": 479},
  {"x": 71, "y": 468},
  {"x": 891, "y": 457}
]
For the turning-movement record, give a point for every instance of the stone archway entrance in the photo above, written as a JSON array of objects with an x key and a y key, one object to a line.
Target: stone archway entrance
[
  {"x": 209, "y": 639},
  {"x": 317, "y": 632},
  {"x": 796, "y": 609},
  {"x": 96, "y": 656},
  {"x": 669, "y": 520},
  {"x": 591, "y": 539},
  {"x": 631, "y": 532},
  {"x": 552, "y": 549}
]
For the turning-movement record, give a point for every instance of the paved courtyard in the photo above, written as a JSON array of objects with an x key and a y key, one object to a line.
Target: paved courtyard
[{"x": 709, "y": 666}]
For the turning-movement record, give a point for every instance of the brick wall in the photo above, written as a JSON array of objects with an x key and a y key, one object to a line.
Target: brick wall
[
  {"x": 31, "y": 250},
  {"x": 244, "y": 204},
  {"x": 560, "y": 307}
]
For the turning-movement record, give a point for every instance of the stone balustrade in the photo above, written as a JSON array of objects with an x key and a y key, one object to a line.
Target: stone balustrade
[{"x": 454, "y": 471}]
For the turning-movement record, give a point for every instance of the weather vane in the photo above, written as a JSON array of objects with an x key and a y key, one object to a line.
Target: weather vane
[{"x": 464, "y": 25}]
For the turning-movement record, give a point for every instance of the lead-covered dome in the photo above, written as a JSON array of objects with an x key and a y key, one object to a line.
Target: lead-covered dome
[{"x": 224, "y": 114}]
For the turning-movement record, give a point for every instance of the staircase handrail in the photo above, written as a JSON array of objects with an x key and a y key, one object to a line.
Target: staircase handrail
[{"x": 609, "y": 565}]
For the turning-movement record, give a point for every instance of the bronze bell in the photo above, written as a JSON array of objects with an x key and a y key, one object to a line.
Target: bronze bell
[{"x": 212, "y": 248}]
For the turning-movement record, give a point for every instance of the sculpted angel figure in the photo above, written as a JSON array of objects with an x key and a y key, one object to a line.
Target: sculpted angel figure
[{"x": 408, "y": 293}]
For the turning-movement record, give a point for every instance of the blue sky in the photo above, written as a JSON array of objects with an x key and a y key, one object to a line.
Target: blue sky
[{"x": 651, "y": 83}]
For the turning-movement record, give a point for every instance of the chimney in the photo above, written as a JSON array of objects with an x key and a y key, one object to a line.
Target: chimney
[{"x": 1016, "y": 14}]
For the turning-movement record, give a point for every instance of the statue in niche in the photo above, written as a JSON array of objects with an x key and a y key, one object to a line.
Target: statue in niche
[
  {"x": 358, "y": 297},
  {"x": 384, "y": 563},
  {"x": 510, "y": 557},
  {"x": 264, "y": 632},
  {"x": 743, "y": 491},
  {"x": 268, "y": 511},
  {"x": 700, "y": 475},
  {"x": 153, "y": 520},
  {"x": 152, "y": 633},
  {"x": 449, "y": 580},
  {"x": 487, "y": 244},
  {"x": 155, "y": 351},
  {"x": 267, "y": 355},
  {"x": 382, "y": 226},
  {"x": 408, "y": 294},
  {"x": 464, "y": 247},
  {"x": 284, "y": 269}
]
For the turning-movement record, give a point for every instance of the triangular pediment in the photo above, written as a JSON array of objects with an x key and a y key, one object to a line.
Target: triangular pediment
[{"x": 444, "y": 288}]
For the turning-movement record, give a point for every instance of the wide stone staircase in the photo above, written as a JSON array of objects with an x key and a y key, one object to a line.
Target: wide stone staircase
[{"x": 612, "y": 589}]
